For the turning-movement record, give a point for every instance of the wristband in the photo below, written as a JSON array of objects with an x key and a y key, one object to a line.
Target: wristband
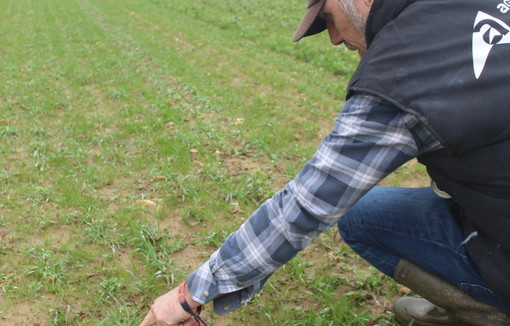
[{"x": 185, "y": 306}]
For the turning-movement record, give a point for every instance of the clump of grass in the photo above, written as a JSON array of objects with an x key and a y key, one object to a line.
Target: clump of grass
[{"x": 48, "y": 268}]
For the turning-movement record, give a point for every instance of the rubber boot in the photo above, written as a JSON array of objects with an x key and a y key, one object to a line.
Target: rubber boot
[{"x": 446, "y": 303}]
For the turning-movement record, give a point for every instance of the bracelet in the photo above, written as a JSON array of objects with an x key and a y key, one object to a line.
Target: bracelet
[{"x": 187, "y": 308}]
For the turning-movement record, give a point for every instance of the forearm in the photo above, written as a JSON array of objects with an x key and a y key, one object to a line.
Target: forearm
[{"x": 247, "y": 258}]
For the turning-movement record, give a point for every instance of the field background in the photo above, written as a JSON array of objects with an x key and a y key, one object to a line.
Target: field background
[{"x": 137, "y": 134}]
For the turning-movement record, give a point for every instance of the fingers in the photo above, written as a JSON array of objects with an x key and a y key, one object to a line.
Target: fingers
[
  {"x": 149, "y": 320},
  {"x": 189, "y": 322}
]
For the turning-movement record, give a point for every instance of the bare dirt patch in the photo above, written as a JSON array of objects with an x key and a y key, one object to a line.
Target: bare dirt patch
[{"x": 22, "y": 314}]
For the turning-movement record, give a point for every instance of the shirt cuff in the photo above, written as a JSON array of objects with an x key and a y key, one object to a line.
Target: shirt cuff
[{"x": 204, "y": 288}]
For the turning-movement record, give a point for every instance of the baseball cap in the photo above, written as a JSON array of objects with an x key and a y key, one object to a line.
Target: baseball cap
[{"x": 310, "y": 24}]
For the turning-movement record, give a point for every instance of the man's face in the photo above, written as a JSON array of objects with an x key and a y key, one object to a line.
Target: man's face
[{"x": 347, "y": 27}]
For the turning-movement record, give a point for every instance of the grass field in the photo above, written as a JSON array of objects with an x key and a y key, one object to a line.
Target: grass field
[{"x": 137, "y": 134}]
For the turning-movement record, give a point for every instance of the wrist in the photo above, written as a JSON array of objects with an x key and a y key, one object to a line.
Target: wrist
[
  {"x": 189, "y": 305},
  {"x": 189, "y": 297}
]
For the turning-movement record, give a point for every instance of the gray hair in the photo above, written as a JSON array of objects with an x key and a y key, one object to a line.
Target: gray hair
[{"x": 353, "y": 15}]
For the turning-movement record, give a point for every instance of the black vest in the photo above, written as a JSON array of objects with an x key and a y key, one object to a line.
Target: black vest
[{"x": 448, "y": 63}]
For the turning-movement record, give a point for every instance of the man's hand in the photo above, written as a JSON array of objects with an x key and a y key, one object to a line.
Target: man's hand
[{"x": 167, "y": 311}]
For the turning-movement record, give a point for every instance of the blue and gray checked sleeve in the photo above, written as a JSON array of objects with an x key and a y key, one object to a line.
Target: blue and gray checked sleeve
[{"x": 369, "y": 140}]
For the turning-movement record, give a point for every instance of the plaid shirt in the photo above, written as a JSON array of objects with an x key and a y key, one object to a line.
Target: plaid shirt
[{"x": 369, "y": 140}]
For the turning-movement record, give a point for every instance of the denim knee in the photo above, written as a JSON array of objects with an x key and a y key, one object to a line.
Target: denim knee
[{"x": 348, "y": 229}]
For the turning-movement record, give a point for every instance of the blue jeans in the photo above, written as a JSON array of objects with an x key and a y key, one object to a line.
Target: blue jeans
[{"x": 389, "y": 223}]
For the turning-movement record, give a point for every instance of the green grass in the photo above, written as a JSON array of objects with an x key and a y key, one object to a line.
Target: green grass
[{"x": 137, "y": 134}]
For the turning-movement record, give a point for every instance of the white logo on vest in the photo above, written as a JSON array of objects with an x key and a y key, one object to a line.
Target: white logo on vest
[{"x": 487, "y": 32}]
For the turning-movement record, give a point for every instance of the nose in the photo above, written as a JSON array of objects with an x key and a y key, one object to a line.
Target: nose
[{"x": 334, "y": 35}]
